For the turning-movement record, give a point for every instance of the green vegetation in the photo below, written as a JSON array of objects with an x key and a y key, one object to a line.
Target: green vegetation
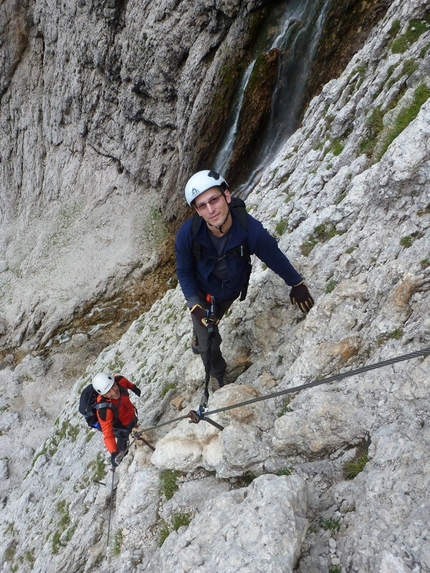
[
  {"x": 9, "y": 554},
  {"x": 284, "y": 472},
  {"x": 424, "y": 263},
  {"x": 406, "y": 241},
  {"x": 51, "y": 444},
  {"x": 405, "y": 117},
  {"x": 29, "y": 557},
  {"x": 395, "y": 28},
  {"x": 285, "y": 405},
  {"x": 375, "y": 125},
  {"x": 246, "y": 479},
  {"x": 330, "y": 524},
  {"x": 156, "y": 230},
  {"x": 169, "y": 482},
  {"x": 413, "y": 32},
  {"x": 230, "y": 73},
  {"x": 281, "y": 227},
  {"x": 117, "y": 543},
  {"x": 336, "y": 147},
  {"x": 360, "y": 71},
  {"x": 330, "y": 286},
  {"x": 409, "y": 67},
  {"x": 90, "y": 434},
  {"x": 356, "y": 465},
  {"x": 68, "y": 430},
  {"x": 334, "y": 569},
  {"x": 10, "y": 529},
  {"x": 98, "y": 468},
  {"x": 164, "y": 533},
  {"x": 380, "y": 137},
  {"x": 56, "y": 543},
  {"x": 396, "y": 334},
  {"x": 64, "y": 533},
  {"x": 117, "y": 364},
  {"x": 321, "y": 234},
  {"x": 165, "y": 389},
  {"x": 180, "y": 519},
  {"x": 425, "y": 50},
  {"x": 425, "y": 211}
]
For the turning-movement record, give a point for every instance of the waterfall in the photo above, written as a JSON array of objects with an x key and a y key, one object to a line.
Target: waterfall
[
  {"x": 227, "y": 143},
  {"x": 295, "y": 32}
]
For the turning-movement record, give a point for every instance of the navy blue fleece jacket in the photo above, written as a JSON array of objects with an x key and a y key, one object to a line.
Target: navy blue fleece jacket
[{"x": 198, "y": 276}]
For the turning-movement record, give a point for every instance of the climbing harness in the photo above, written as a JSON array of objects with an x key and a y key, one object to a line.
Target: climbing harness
[
  {"x": 195, "y": 418},
  {"x": 200, "y": 414}
]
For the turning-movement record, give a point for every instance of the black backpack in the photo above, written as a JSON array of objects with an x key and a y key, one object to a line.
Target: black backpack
[
  {"x": 239, "y": 207},
  {"x": 88, "y": 406}
]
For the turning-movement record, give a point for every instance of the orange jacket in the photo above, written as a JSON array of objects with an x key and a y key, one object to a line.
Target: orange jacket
[{"x": 125, "y": 414}]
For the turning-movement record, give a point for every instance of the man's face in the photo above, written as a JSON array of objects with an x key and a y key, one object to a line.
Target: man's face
[
  {"x": 212, "y": 205},
  {"x": 113, "y": 393}
]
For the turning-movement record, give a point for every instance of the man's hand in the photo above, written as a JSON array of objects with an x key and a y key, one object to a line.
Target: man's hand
[
  {"x": 201, "y": 314},
  {"x": 113, "y": 459},
  {"x": 300, "y": 294},
  {"x": 136, "y": 390}
]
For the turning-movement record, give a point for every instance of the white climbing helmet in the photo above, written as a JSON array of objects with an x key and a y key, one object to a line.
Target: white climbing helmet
[
  {"x": 103, "y": 382},
  {"x": 201, "y": 182}
]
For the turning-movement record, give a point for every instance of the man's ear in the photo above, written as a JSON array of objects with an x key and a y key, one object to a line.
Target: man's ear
[{"x": 227, "y": 196}]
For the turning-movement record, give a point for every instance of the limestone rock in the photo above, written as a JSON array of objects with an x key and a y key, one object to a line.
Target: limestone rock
[{"x": 353, "y": 221}]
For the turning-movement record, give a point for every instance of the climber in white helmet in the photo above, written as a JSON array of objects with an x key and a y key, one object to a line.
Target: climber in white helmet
[
  {"x": 115, "y": 412},
  {"x": 213, "y": 250}
]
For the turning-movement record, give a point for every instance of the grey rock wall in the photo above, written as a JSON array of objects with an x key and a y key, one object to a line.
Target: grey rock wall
[
  {"x": 101, "y": 108},
  {"x": 106, "y": 109},
  {"x": 341, "y": 472}
]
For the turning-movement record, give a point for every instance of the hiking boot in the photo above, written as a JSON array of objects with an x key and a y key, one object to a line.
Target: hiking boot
[
  {"x": 195, "y": 343},
  {"x": 216, "y": 383}
]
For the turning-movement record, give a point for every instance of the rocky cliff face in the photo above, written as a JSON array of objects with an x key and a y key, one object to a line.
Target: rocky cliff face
[
  {"x": 106, "y": 109},
  {"x": 334, "y": 478},
  {"x": 102, "y": 106}
]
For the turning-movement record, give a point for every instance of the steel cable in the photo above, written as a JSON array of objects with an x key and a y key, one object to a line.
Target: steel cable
[{"x": 355, "y": 372}]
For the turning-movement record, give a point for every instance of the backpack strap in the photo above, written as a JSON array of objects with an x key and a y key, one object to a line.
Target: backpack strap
[
  {"x": 103, "y": 406},
  {"x": 239, "y": 207},
  {"x": 195, "y": 248},
  {"x": 240, "y": 211}
]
